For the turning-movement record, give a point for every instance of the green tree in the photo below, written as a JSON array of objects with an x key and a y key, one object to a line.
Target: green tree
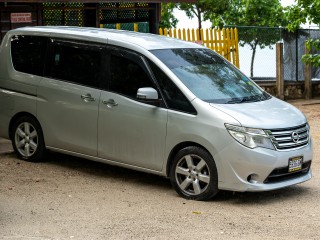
[
  {"x": 204, "y": 9},
  {"x": 168, "y": 20},
  {"x": 261, "y": 13},
  {"x": 302, "y": 12}
]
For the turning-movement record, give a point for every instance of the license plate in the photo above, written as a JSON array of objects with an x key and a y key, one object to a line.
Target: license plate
[{"x": 295, "y": 164}]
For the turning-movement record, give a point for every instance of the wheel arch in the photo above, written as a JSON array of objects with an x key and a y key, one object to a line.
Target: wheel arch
[{"x": 177, "y": 148}]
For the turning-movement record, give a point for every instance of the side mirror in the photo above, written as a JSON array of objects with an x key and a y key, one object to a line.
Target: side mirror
[{"x": 148, "y": 95}]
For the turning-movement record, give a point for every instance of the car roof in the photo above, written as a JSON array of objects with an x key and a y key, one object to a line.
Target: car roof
[{"x": 144, "y": 40}]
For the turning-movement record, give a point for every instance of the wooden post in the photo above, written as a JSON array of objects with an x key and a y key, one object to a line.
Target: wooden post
[
  {"x": 279, "y": 71},
  {"x": 97, "y": 6},
  {"x": 307, "y": 78},
  {"x": 154, "y": 15},
  {"x": 39, "y": 16},
  {"x": 237, "y": 47}
]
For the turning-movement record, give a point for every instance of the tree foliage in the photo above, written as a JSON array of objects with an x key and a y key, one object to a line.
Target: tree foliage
[
  {"x": 262, "y": 13},
  {"x": 313, "y": 58},
  {"x": 302, "y": 12},
  {"x": 168, "y": 20},
  {"x": 204, "y": 9}
]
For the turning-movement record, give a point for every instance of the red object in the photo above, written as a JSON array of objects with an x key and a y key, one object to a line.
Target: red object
[{"x": 20, "y": 17}]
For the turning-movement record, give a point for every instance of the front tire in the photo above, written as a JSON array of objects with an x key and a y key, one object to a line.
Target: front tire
[
  {"x": 193, "y": 174},
  {"x": 27, "y": 139}
]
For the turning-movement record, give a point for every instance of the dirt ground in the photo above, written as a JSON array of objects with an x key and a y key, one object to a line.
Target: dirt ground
[{"x": 71, "y": 198}]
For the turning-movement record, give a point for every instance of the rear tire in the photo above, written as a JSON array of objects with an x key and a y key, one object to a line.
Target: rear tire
[
  {"x": 27, "y": 139},
  {"x": 193, "y": 174}
]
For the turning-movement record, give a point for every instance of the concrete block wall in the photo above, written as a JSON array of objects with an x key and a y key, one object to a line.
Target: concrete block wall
[{"x": 292, "y": 90}]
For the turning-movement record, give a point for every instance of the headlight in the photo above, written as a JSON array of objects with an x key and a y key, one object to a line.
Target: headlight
[
  {"x": 308, "y": 130},
  {"x": 250, "y": 137}
]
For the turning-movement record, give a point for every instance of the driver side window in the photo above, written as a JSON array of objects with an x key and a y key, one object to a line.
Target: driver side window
[
  {"x": 174, "y": 98},
  {"x": 127, "y": 74}
]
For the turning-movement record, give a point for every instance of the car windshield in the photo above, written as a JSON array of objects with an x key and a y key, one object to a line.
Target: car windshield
[{"x": 210, "y": 77}]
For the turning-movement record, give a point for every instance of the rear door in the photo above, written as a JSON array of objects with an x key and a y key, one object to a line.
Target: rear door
[
  {"x": 130, "y": 131},
  {"x": 70, "y": 96}
]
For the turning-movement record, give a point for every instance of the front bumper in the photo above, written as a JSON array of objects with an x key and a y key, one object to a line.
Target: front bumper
[{"x": 244, "y": 169}]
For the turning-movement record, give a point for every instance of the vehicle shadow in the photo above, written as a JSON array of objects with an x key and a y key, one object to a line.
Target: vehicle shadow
[
  {"x": 106, "y": 171},
  {"x": 131, "y": 176},
  {"x": 261, "y": 198}
]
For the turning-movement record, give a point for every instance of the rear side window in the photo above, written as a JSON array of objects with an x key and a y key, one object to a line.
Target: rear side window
[
  {"x": 75, "y": 62},
  {"x": 28, "y": 53}
]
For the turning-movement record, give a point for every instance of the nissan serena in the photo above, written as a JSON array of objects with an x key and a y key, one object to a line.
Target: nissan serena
[{"x": 149, "y": 103}]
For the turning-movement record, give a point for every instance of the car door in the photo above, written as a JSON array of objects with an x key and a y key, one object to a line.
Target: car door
[
  {"x": 70, "y": 96},
  {"x": 130, "y": 131}
]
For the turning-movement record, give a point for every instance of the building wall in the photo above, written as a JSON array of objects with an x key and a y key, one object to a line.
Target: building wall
[
  {"x": 71, "y": 13},
  {"x": 5, "y": 16}
]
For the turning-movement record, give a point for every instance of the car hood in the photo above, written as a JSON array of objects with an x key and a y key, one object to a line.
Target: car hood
[{"x": 269, "y": 114}]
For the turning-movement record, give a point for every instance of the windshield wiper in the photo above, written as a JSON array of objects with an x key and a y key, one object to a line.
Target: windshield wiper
[
  {"x": 237, "y": 100},
  {"x": 255, "y": 98}
]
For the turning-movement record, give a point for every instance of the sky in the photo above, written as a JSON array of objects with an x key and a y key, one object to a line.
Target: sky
[{"x": 185, "y": 22}]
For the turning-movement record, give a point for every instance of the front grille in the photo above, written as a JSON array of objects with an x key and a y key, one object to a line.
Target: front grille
[
  {"x": 282, "y": 174},
  {"x": 289, "y": 138}
]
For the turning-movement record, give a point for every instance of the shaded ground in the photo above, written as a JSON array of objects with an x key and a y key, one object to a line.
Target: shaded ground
[{"x": 72, "y": 198}]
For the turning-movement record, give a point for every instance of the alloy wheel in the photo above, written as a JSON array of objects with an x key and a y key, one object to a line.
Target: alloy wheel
[
  {"x": 26, "y": 139},
  {"x": 192, "y": 174}
]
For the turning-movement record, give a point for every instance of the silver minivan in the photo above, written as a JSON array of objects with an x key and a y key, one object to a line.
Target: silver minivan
[{"x": 149, "y": 103}]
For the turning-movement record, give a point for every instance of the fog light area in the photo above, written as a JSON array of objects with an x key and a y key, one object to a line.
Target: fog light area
[{"x": 253, "y": 178}]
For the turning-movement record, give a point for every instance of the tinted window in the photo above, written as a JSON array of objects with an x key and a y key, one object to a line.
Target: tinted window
[
  {"x": 127, "y": 74},
  {"x": 172, "y": 94},
  {"x": 28, "y": 54},
  {"x": 76, "y": 62},
  {"x": 210, "y": 77}
]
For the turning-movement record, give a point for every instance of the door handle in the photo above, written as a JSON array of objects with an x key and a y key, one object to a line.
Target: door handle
[
  {"x": 110, "y": 103},
  {"x": 87, "y": 98}
]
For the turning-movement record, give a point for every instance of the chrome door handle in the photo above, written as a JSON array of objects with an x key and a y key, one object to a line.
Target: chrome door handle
[
  {"x": 87, "y": 98},
  {"x": 110, "y": 103}
]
